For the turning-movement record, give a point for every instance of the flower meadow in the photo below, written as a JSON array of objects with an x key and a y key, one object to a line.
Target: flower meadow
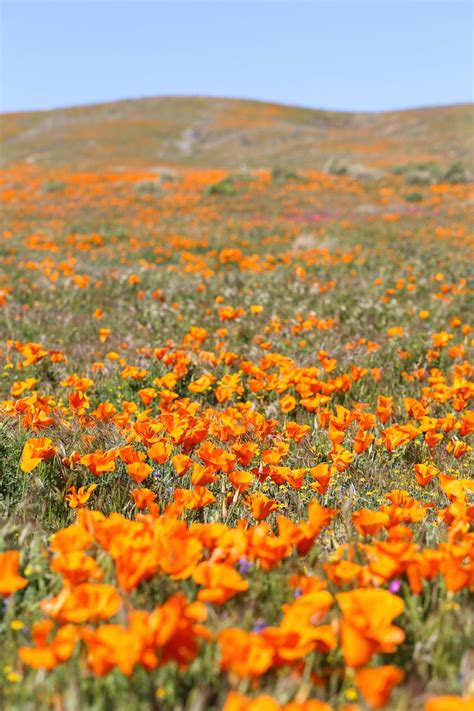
[{"x": 236, "y": 441}]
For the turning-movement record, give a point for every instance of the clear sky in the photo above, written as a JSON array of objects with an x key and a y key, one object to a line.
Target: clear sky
[{"x": 335, "y": 54}]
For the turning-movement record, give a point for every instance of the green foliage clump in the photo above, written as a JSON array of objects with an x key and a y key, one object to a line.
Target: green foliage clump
[
  {"x": 147, "y": 187},
  {"x": 53, "y": 186},
  {"x": 284, "y": 175},
  {"x": 415, "y": 196},
  {"x": 430, "y": 173},
  {"x": 222, "y": 187},
  {"x": 456, "y": 173},
  {"x": 336, "y": 167}
]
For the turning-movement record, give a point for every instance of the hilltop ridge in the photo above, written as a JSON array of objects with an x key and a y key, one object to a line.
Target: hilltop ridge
[{"x": 233, "y": 133}]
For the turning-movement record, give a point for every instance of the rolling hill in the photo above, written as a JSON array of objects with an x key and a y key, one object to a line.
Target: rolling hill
[{"x": 233, "y": 133}]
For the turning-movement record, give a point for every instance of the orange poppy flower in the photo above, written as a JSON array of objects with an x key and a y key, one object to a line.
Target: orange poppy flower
[
  {"x": 76, "y": 567},
  {"x": 343, "y": 572},
  {"x": 221, "y": 582},
  {"x": 197, "y": 498},
  {"x": 99, "y": 462},
  {"x": 310, "y": 705},
  {"x": 58, "y": 651},
  {"x": 139, "y": 471},
  {"x": 77, "y": 498},
  {"x": 238, "y": 702},
  {"x": 399, "y": 435},
  {"x": 19, "y": 387},
  {"x": 246, "y": 654},
  {"x": 130, "y": 455},
  {"x": 368, "y": 522},
  {"x": 202, "y": 383},
  {"x": 319, "y": 516},
  {"x": 362, "y": 441},
  {"x": 456, "y": 571},
  {"x": 181, "y": 554},
  {"x": 287, "y": 403},
  {"x": 216, "y": 457},
  {"x": 10, "y": 581},
  {"x": 300, "y": 631},
  {"x": 168, "y": 633},
  {"x": 240, "y": 480},
  {"x": 85, "y": 602},
  {"x": 36, "y": 450},
  {"x": 203, "y": 475},
  {"x": 456, "y": 489},
  {"x": 458, "y": 448},
  {"x": 147, "y": 395},
  {"x": 181, "y": 463},
  {"x": 145, "y": 499},
  {"x": 160, "y": 451},
  {"x": 323, "y": 474},
  {"x": 366, "y": 624},
  {"x": 449, "y": 703},
  {"x": 260, "y": 505},
  {"x": 384, "y": 408},
  {"x": 341, "y": 458},
  {"x": 296, "y": 431},
  {"x": 71, "y": 538},
  {"x": 425, "y": 473},
  {"x": 111, "y": 646},
  {"x": 245, "y": 452},
  {"x": 376, "y": 684}
]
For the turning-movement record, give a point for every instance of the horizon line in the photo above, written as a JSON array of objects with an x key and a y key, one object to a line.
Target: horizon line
[{"x": 233, "y": 98}]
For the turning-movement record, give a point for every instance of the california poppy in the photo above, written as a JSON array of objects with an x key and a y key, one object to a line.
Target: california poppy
[
  {"x": 366, "y": 624},
  {"x": 10, "y": 580},
  {"x": 376, "y": 684}
]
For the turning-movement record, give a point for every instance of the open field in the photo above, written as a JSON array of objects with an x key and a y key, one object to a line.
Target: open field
[{"x": 236, "y": 447}]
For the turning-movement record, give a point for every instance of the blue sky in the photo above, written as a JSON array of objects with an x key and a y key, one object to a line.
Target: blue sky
[{"x": 339, "y": 55}]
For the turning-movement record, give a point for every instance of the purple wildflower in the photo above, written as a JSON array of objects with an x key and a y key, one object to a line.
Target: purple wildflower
[{"x": 395, "y": 586}]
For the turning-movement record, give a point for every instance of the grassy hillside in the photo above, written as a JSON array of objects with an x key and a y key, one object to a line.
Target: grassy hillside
[{"x": 233, "y": 133}]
